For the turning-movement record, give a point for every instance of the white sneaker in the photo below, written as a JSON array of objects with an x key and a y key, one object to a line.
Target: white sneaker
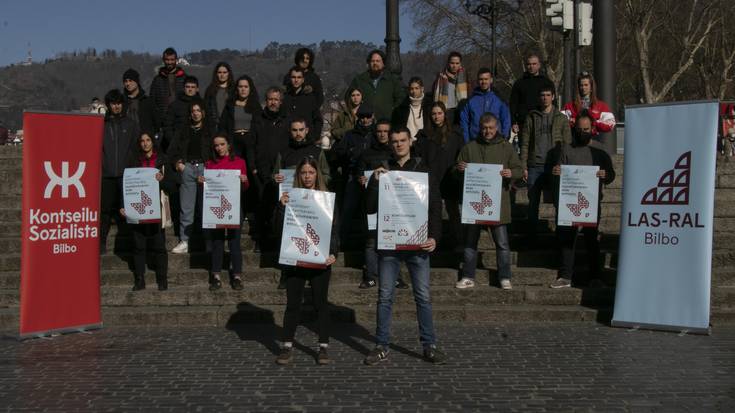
[
  {"x": 465, "y": 283},
  {"x": 182, "y": 248},
  {"x": 505, "y": 284}
]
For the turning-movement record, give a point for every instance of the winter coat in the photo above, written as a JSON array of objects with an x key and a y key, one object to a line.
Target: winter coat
[
  {"x": 213, "y": 112},
  {"x": 376, "y": 155},
  {"x": 140, "y": 110},
  {"x": 524, "y": 96},
  {"x": 271, "y": 134},
  {"x": 300, "y": 104},
  {"x": 296, "y": 151},
  {"x": 400, "y": 115},
  {"x": 344, "y": 122},
  {"x": 480, "y": 103},
  {"x": 560, "y": 132},
  {"x": 496, "y": 151},
  {"x": 118, "y": 145},
  {"x": 178, "y": 116},
  {"x": 347, "y": 151},
  {"x": 603, "y": 118},
  {"x": 414, "y": 164},
  {"x": 442, "y": 159},
  {"x": 388, "y": 94},
  {"x": 312, "y": 85},
  {"x": 159, "y": 94}
]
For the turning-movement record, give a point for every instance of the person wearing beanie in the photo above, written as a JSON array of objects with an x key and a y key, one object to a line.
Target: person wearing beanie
[{"x": 139, "y": 106}]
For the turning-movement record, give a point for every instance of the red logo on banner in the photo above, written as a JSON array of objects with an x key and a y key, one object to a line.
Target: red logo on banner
[
  {"x": 61, "y": 198},
  {"x": 485, "y": 202},
  {"x": 673, "y": 184},
  {"x": 582, "y": 203},
  {"x": 225, "y": 206}
]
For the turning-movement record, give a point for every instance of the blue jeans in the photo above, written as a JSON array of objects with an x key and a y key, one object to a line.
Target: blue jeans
[
  {"x": 502, "y": 250},
  {"x": 536, "y": 181},
  {"x": 418, "y": 267},
  {"x": 188, "y": 197}
]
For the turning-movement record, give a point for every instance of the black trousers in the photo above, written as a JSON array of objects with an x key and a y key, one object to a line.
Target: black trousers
[
  {"x": 216, "y": 246},
  {"x": 295, "y": 281},
  {"x": 110, "y": 202},
  {"x": 568, "y": 241},
  {"x": 153, "y": 236}
]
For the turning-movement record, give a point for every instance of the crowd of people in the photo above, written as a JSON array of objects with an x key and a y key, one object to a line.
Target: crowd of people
[{"x": 384, "y": 126}]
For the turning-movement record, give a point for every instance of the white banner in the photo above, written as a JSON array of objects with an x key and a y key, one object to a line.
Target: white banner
[
  {"x": 289, "y": 176},
  {"x": 579, "y": 195},
  {"x": 141, "y": 196},
  {"x": 372, "y": 219},
  {"x": 307, "y": 228},
  {"x": 403, "y": 210},
  {"x": 221, "y": 205},
  {"x": 482, "y": 192},
  {"x": 664, "y": 269}
]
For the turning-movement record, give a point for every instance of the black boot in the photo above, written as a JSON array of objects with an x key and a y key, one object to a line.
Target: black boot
[
  {"x": 162, "y": 282},
  {"x": 139, "y": 283}
]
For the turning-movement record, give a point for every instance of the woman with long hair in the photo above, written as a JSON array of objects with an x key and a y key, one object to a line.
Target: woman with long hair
[
  {"x": 147, "y": 156},
  {"x": 439, "y": 143},
  {"x": 347, "y": 117},
  {"x": 223, "y": 158},
  {"x": 308, "y": 176},
  {"x": 219, "y": 91},
  {"x": 586, "y": 99}
]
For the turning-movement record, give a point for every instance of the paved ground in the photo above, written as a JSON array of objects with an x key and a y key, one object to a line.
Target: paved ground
[{"x": 559, "y": 367}]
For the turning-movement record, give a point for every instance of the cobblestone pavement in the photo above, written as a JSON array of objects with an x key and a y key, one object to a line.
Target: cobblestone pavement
[{"x": 557, "y": 367}]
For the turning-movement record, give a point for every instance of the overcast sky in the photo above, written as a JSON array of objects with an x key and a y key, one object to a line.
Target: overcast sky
[{"x": 52, "y": 26}]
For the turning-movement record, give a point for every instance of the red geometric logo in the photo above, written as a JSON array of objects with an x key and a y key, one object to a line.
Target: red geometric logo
[{"x": 673, "y": 186}]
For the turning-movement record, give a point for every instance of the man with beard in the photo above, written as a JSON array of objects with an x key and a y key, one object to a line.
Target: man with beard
[
  {"x": 139, "y": 106},
  {"x": 381, "y": 89},
  {"x": 302, "y": 102},
  {"x": 166, "y": 85}
]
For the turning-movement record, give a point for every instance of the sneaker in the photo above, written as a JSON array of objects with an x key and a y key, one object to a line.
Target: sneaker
[
  {"x": 181, "y": 248},
  {"x": 323, "y": 357},
  {"x": 401, "y": 285},
  {"x": 376, "y": 355},
  {"x": 465, "y": 283},
  {"x": 365, "y": 284},
  {"x": 434, "y": 355},
  {"x": 505, "y": 284},
  {"x": 215, "y": 283},
  {"x": 561, "y": 283},
  {"x": 236, "y": 284},
  {"x": 285, "y": 356}
]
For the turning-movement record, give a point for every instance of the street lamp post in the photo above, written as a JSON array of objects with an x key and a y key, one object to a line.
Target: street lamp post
[
  {"x": 487, "y": 11},
  {"x": 392, "y": 38}
]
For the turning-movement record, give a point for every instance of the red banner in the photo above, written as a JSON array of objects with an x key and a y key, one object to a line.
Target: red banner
[{"x": 60, "y": 263}]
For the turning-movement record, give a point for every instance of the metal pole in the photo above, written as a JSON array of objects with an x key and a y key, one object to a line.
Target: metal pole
[
  {"x": 577, "y": 47},
  {"x": 568, "y": 67},
  {"x": 603, "y": 16},
  {"x": 493, "y": 22},
  {"x": 392, "y": 38}
]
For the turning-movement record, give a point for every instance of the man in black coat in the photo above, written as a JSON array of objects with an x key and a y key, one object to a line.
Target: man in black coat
[
  {"x": 179, "y": 112},
  {"x": 299, "y": 102},
  {"x": 139, "y": 105},
  {"x": 525, "y": 92},
  {"x": 166, "y": 85}
]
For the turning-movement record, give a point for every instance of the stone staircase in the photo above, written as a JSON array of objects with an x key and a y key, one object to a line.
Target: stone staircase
[{"x": 188, "y": 302}]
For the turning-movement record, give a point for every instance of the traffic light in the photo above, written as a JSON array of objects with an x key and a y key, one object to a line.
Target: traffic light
[
  {"x": 561, "y": 14},
  {"x": 584, "y": 24}
]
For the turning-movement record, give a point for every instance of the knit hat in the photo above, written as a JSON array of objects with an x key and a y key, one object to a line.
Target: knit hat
[{"x": 133, "y": 75}]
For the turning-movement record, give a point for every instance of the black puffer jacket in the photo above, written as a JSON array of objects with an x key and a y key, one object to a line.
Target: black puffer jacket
[
  {"x": 312, "y": 84},
  {"x": 271, "y": 137},
  {"x": 159, "y": 93},
  {"x": 118, "y": 144},
  {"x": 376, "y": 155},
  {"x": 524, "y": 95},
  {"x": 140, "y": 111},
  {"x": 299, "y": 104}
]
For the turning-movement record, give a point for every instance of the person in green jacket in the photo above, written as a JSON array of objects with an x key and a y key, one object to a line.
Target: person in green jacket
[
  {"x": 489, "y": 148},
  {"x": 544, "y": 129},
  {"x": 380, "y": 88},
  {"x": 345, "y": 120}
]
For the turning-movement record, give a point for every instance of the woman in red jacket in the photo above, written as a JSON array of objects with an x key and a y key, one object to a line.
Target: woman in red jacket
[
  {"x": 224, "y": 158},
  {"x": 603, "y": 118}
]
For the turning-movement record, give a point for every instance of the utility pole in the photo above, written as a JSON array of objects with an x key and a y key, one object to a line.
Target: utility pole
[
  {"x": 604, "y": 55},
  {"x": 392, "y": 38}
]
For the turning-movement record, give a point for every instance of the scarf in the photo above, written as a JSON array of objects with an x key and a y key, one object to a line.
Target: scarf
[{"x": 441, "y": 88}]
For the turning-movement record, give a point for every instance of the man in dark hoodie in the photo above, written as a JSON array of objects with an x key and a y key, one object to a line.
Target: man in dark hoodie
[
  {"x": 178, "y": 113},
  {"x": 301, "y": 102},
  {"x": 119, "y": 143},
  {"x": 524, "y": 94},
  {"x": 166, "y": 85},
  {"x": 139, "y": 106},
  {"x": 271, "y": 134}
]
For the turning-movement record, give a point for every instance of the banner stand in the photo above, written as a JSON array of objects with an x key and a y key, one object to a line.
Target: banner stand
[{"x": 660, "y": 327}]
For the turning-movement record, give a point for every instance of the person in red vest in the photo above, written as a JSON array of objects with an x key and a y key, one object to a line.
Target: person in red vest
[{"x": 603, "y": 120}]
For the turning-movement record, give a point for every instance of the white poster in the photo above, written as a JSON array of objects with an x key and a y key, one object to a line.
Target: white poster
[
  {"x": 307, "y": 228},
  {"x": 483, "y": 189},
  {"x": 141, "y": 196},
  {"x": 289, "y": 175},
  {"x": 221, "y": 206},
  {"x": 372, "y": 219},
  {"x": 665, "y": 264},
  {"x": 579, "y": 194},
  {"x": 403, "y": 210}
]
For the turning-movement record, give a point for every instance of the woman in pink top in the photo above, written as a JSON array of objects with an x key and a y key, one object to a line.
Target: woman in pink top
[{"x": 224, "y": 158}]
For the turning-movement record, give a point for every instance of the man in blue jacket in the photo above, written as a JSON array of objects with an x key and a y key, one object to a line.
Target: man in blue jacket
[{"x": 483, "y": 100}]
